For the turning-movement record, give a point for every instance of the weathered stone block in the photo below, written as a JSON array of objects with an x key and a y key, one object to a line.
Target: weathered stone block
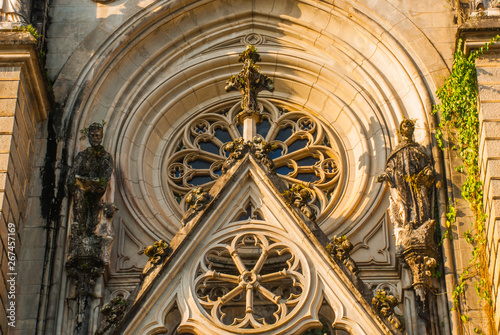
[
  {"x": 10, "y": 72},
  {"x": 491, "y": 129},
  {"x": 489, "y": 93},
  {"x": 9, "y": 88},
  {"x": 6, "y": 124},
  {"x": 7, "y": 107},
  {"x": 3, "y": 177},
  {"x": 488, "y": 74},
  {"x": 5, "y": 143}
]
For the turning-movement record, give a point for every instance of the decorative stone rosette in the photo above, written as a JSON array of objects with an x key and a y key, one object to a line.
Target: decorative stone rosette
[
  {"x": 296, "y": 145},
  {"x": 250, "y": 281}
]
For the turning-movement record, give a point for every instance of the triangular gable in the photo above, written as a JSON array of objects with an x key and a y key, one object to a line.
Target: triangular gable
[{"x": 267, "y": 275}]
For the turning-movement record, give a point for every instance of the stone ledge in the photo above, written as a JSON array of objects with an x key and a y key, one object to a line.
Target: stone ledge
[{"x": 19, "y": 48}]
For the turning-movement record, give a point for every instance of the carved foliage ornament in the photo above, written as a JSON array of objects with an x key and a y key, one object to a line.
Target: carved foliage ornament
[
  {"x": 299, "y": 145},
  {"x": 156, "y": 253},
  {"x": 113, "y": 312},
  {"x": 250, "y": 281},
  {"x": 259, "y": 148},
  {"x": 249, "y": 82},
  {"x": 300, "y": 196},
  {"x": 384, "y": 304},
  {"x": 340, "y": 248}
]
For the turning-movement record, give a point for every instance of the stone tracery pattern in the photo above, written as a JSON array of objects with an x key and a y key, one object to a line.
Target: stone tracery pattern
[
  {"x": 304, "y": 154},
  {"x": 250, "y": 281}
]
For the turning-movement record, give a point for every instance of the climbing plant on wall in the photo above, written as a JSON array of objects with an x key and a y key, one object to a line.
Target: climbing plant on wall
[{"x": 460, "y": 123}]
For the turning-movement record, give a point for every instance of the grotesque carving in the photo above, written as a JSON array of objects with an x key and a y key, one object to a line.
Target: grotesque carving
[
  {"x": 88, "y": 181},
  {"x": 340, "y": 248},
  {"x": 113, "y": 312},
  {"x": 300, "y": 196},
  {"x": 410, "y": 177},
  {"x": 156, "y": 253},
  {"x": 384, "y": 304},
  {"x": 249, "y": 82}
]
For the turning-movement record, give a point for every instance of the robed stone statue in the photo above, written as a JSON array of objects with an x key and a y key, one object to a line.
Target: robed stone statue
[
  {"x": 88, "y": 180},
  {"x": 410, "y": 176}
]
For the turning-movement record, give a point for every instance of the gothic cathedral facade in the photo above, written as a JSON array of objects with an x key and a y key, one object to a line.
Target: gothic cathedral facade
[{"x": 206, "y": 167}]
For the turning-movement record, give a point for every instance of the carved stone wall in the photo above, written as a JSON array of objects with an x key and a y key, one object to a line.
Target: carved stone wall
[{"x": 149, "y": 68}]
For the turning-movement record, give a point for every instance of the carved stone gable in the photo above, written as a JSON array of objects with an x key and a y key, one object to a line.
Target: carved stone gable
[{"x": 247, "y": 262}]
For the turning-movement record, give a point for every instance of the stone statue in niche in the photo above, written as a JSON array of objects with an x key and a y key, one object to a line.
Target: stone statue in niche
[
  {"x": 14, "y": 11},
  {"x": 410, "y": 176},
  {"x": 89, "y": 179}
]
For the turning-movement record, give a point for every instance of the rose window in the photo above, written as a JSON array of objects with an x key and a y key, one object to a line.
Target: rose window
[
  {"x": 250, "y": 281},
  {"x": 305, "y": 154}
]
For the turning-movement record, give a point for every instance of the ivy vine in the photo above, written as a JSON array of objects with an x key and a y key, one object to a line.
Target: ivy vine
[{"x": 460, "y": 122}]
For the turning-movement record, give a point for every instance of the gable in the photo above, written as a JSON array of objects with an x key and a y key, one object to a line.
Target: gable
[{"x": 232, "y": 274}]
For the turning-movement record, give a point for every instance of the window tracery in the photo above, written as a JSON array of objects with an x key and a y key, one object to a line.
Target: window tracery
[
  {"x": 305, "y": 152},
  {"x": 250, "y": 281}
]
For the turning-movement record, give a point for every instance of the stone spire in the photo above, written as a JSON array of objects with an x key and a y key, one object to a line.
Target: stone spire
[{"x": 249, "y": 82}]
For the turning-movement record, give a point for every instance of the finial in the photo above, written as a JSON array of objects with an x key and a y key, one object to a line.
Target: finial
[{"x": 249, "y": 82}]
